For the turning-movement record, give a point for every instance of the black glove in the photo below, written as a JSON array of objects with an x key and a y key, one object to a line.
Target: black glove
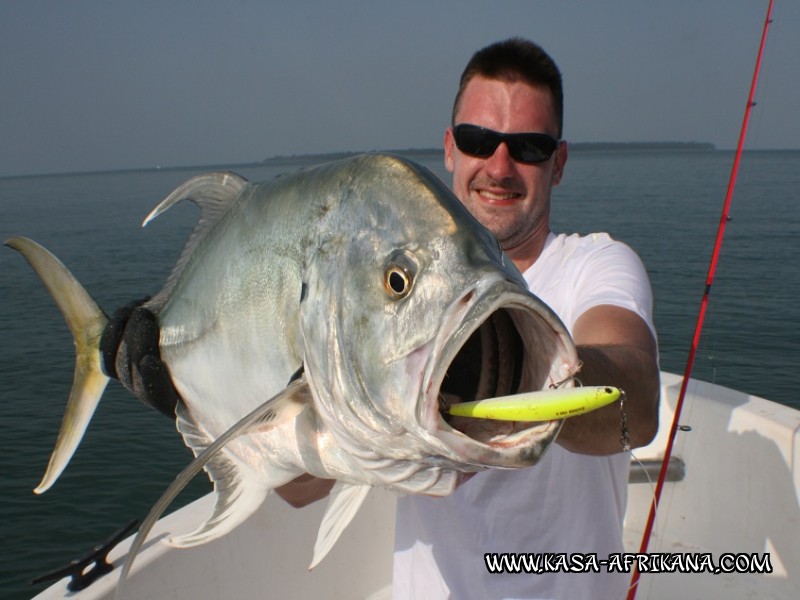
[{"x": 129, "y": 346}]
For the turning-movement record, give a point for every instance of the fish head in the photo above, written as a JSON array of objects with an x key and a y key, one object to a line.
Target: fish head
[{"x": 409, "y": 305}]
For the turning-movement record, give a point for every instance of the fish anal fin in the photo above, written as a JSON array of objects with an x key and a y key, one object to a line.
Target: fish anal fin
[
  {"x": 239, "y": 492},
  {"x": 238, "y": 495},
  {"x": 343, "y": 503}
]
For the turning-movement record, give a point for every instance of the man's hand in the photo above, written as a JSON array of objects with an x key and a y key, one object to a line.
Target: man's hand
[
  {"x": 130, "y": 350},
  {"x": 304, "y": 490},
  {"x": 616, "y": 348}
]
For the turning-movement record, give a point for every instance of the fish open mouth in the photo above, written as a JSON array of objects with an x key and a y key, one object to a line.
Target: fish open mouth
[{"x": 508, "y": 342}]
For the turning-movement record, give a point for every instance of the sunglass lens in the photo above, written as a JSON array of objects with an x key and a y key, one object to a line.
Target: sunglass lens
[
  {"x": 476, "y": 140},
  {"x": 530, "y": 149}
]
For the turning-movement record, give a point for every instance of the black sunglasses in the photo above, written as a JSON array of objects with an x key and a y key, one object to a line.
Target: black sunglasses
[{"x": 528, "y": 148}]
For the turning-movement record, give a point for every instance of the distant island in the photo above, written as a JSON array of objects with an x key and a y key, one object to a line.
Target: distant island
[
  {"x": 326, "y": 156},
  {"x": 573, "y": 147},
  {"x": 642, "y": 146}
]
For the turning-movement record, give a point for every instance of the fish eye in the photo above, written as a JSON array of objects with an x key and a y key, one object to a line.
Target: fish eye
[
  {"x": 397, "y": 282},
  {"x": 398, "y": 276}
]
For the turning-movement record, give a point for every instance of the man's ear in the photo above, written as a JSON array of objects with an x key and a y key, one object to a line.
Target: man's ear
[
  {"x": 449, "y": 149},
  {"x": 562, "y": 153}
]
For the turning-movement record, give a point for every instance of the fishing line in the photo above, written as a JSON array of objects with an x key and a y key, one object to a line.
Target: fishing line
[
  {"x": 646, "y": 472},
  {"x": 647, "y": 475},
  {"x": 633, "y": 584},
  {"x": 703, "y": 304}
]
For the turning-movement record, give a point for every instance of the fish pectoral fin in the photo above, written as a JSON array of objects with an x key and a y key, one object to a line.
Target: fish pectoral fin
[
  {"x": 239, "y": 492},
  {"x": 343, "y": 503},
  {"x": 86, "y": 321}
]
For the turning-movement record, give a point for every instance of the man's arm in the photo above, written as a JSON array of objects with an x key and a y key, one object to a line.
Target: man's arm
[{"x": 616, "y": 348}]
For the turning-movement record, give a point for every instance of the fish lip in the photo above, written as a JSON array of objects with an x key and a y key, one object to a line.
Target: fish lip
[{"x": 534, "y": 323}]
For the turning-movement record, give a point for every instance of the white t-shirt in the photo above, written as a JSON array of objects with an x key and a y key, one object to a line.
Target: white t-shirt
[{"x": 568, "y": 503}]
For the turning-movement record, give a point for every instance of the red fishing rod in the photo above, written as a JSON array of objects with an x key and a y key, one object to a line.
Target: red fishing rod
[{"x": 703, "y": 304}]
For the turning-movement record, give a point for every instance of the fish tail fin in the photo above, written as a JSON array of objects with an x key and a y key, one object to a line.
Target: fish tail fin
[{"x": 86, "y": 321}]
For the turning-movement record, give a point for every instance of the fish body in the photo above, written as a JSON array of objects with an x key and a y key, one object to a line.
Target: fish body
[{"x": 369, "y": 279}]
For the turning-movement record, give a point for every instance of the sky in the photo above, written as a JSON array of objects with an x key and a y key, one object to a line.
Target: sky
[{"x": 95, "y": 85}]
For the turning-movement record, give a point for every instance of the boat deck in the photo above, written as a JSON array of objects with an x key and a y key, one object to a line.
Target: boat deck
[{"x": 735, "y": 489}]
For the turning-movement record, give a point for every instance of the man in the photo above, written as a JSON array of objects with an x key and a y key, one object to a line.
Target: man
[
  {"x": 574, "y": 500},
  {"x": 504, "y": 153}
]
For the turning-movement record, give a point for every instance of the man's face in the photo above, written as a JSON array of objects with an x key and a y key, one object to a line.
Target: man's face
[{"x": 510, "y": 198}]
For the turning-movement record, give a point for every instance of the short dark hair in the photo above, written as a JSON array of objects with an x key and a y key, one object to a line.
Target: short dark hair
[{"x": 516, "y": 59}]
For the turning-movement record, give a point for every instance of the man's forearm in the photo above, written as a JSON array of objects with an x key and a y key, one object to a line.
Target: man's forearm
[{"x": 634, "y": 371}]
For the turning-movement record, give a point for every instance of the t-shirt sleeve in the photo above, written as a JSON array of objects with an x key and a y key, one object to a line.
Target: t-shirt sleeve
[{"x": 614, "y": 275}]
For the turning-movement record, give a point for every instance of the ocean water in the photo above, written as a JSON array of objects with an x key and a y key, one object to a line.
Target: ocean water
[{"x": 664, "y": 204}]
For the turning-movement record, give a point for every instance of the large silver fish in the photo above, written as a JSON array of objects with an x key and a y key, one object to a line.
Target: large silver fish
[{"x": 369, "y": 279}]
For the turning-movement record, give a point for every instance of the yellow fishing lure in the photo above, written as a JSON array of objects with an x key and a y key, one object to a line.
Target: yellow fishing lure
[{"x": 545, "y": 405}]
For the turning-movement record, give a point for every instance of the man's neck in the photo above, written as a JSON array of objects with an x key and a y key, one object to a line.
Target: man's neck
[{"x": 526, "y": 253}]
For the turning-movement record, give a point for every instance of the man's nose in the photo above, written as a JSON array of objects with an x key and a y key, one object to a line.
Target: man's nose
[{"x": 500, "y": 165}]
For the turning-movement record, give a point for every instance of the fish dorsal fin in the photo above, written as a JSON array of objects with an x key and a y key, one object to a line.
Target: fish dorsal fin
[
  {"x": 213, "y": 193},
  {"x": 239, "y": 494},
  {"x": 343, "y": 504}
]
